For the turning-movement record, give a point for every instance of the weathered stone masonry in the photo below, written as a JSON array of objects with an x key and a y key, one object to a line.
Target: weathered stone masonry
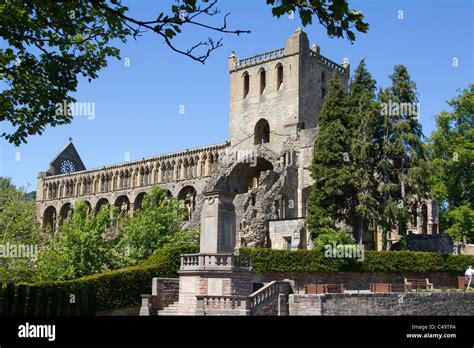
[
  {"x": 383, "y": 304},
  {"x": 275, "y": 102}
]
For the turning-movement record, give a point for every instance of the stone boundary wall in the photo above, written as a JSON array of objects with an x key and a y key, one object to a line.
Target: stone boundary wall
[
  {"x": 165, "y": 291},
  {"x": 303, "y": 305},
  {"x": 422, "y": 304},
  {"x": 355, "y": 280}
]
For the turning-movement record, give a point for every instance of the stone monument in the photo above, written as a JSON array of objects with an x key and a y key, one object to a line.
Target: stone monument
[{"x": 215, "y": 278}]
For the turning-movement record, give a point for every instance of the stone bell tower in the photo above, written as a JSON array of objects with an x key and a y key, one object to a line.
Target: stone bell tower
[{"x": 275, "y": 94}]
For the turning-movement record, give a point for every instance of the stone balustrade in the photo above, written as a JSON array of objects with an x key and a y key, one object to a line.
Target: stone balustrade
[
  {"x": 223, "y": 302},
  {"x": 261, "y": 295},
  {"x": 215, "y": 262},
  {"x": 269, "y": 300}
]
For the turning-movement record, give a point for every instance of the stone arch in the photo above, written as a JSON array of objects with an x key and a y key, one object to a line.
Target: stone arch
[
  {"x": 97, "y": 183},
  {"x": 414, "y": 214},
  {"x": 188, "y": 196},
  {"x": 191, "y": 170},
  {"x": 140, "y": 175},
  {"x": 180, "y": 170},
  {"x": 49, "y": 218},
  {"x": 304, "y": 200},
  {"x": 156, "y": 171},
  {"x": 173, "y": 170},
  {"x": 204, "y": 165},
  {"x": 121, "y": 180},
  {"x": 169, "y": 171},
  {"x": 86, "y": 185},
  {"x": 144, "y": 176},
  {"x": 127, "y": 178},
  {"x": 147, "y": 175},
  {"x": 246, "y": 83},
  {"x": 133, "y": 176},
  {"x": 279, "y": 75},
  {"x": 197, "y": 169},
  {"x": 53, "y": 190},
  {"x": 101, "y": 203},
  {"x": 186, "y": 168},
  {"x": 211, "y": 162},
  {"x": 60, "y": 190},
  {"x": 69, "y": 188},
  {"x": 65, "y": 212},
  {"x": 262, "y": 74},
  {"x": 89, "y": 206},
  {"x": 139, "y": 201},
  {"x": 109, "y": 182},
  {"x": 434, "y": 216},
  {"x": 244, "y": 176},
  {"x": 57, "y": 188},
  {"x": 424, "y": 218},
  {"x": 262, "y": 132},
  {"x": 77, "y": 185},
  {"x": 123, "y": 204}
]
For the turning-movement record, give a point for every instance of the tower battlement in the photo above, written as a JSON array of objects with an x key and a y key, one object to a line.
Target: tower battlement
[{"x": 276, "y": 94}]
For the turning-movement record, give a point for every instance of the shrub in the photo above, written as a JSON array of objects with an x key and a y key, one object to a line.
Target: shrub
[
  {"x": 268, "y": 260},
  {"x": 170, "y": 255},
  {"x": 123, "y": 287}
]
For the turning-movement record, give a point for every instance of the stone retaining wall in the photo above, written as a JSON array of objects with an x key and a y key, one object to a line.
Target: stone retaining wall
[{"x": 383, "y": 304}]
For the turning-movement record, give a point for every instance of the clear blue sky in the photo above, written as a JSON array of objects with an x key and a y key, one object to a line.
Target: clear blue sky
[{"x": 137, "y": 107}]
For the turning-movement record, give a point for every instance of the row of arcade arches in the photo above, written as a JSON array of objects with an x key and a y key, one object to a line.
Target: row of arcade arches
[{"x": 52, "y": 218}]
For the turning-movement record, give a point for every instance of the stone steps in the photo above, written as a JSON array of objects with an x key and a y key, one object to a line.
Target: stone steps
[{"x": 172, "y": 309}]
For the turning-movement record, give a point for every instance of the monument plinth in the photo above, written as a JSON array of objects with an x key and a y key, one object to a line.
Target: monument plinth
[{"x": 215, "y": 273}]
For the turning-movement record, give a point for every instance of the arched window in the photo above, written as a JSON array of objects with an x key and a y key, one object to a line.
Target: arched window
[
  {"x": 414, "y": 215},
  {"x": 279, "y": 75},
  {"x": 246, "y": 84},
  {"x": 424, "y": 218},
  {"x": 188, "y": 196},
  {"x": 262, "y": 132},
  {"x": 263, "y": 80}
]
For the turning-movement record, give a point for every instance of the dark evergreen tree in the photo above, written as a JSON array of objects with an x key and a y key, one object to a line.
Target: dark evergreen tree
[
  {"x": 401, "y": 167},
  {"x": 366, "y": 144},
  {"x": 331, "y": 167}
]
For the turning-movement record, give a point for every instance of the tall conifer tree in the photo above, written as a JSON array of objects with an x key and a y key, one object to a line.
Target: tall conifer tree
[
  {"x": 366, "y": 144},
  {"x": 331, "y": 167},
  {"x": 402, "y": 164}
]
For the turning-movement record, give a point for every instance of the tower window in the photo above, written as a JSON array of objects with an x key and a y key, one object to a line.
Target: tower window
[
  {"x": 323, "y": 78},
  {"x": 246, "y": 84},
  {"x": 263, "y": 80},
  {"x": 279, "y": 76},
  {"x": 262, "y": 132},
  {"x": 323, "y": 92}
]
